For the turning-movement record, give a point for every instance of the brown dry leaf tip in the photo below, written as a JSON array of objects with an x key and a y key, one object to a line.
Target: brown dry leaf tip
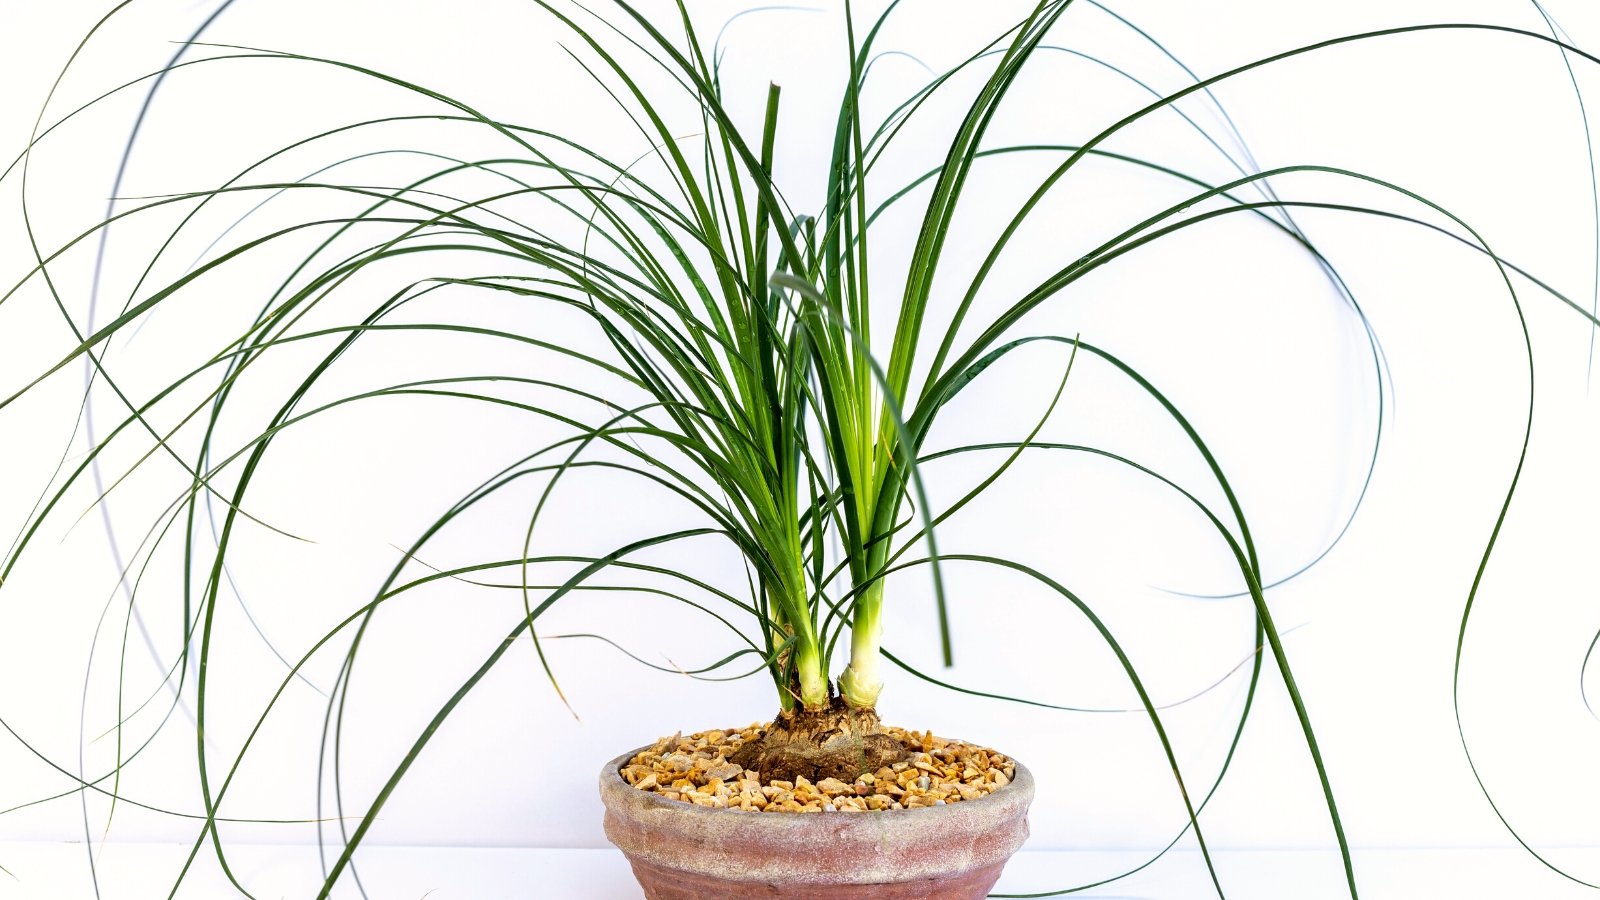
[{"x": 695, "y": 769}]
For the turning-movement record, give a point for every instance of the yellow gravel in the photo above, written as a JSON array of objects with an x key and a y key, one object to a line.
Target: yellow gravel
[{"x": 695, "y": 769}]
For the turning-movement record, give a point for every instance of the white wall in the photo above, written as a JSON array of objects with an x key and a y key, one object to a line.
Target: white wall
[{"x": 1228, "y": 318}]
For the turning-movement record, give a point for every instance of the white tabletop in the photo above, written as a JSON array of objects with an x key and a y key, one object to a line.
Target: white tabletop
[{"x": 55, "y": 871}]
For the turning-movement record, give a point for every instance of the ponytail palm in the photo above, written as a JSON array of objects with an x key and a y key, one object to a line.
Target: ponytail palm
[{"x": 771, "y": 368}]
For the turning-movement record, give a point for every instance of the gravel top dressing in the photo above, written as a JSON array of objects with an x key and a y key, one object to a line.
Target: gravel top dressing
[{"x": 936, "y": 771}]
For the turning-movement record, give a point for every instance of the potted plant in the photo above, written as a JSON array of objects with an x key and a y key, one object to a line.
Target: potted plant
[{"x": 768, "y": 369}]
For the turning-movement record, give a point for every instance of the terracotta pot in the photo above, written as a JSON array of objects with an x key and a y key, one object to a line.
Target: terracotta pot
[{"x": 684, "y": 852}]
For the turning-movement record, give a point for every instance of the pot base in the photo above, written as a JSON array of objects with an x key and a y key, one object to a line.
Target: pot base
[{"x": 661, "y": 883}]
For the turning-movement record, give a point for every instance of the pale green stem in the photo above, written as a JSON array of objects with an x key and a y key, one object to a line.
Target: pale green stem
[
  {"x": 809, "y": 668},
  {"x": 860, "y": 684},
  {"x": 780, "y": 625}
]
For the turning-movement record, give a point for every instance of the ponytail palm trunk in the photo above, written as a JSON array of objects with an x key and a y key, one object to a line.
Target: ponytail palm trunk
[
  {"x": 799, "y": 668},
  {"x": 861, "y": 682}
]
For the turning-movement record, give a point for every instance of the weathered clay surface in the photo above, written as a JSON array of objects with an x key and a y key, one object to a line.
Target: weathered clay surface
[
  {"x": 672, "y": 884},
  {"x": 678, "y": 851}
]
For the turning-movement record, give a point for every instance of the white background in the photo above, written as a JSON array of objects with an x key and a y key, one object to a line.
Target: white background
[{"x": 1228, "y": 318}]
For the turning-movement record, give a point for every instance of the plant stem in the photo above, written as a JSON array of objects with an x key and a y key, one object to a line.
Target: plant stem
[
  {"x": 779, "y": 666},
  {"x": 802, "y": 666},
  {"x": 860, "y": 684},
  {"x": 809, "y": 669}
]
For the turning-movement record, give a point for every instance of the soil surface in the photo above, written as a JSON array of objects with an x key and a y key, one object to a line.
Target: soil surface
[{"x": 931, "y": 771}]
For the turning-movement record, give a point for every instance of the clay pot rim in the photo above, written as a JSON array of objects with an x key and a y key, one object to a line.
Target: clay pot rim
[{"x": 1019, "y": 788}]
